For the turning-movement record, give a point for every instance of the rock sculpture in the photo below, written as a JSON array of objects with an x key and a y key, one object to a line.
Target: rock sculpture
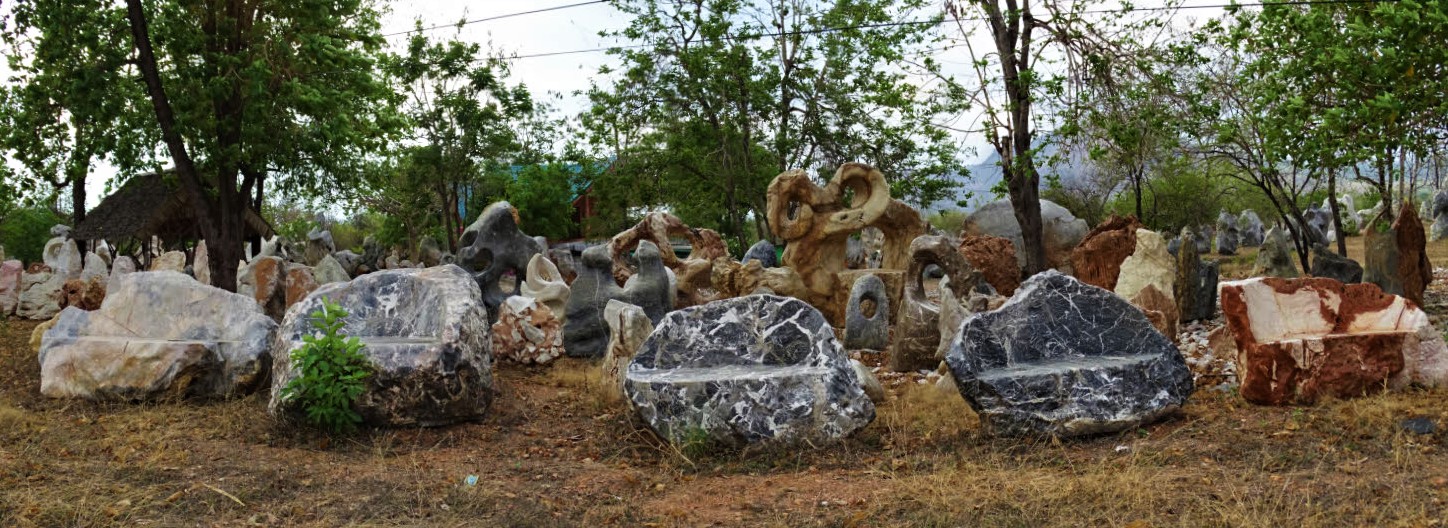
[
  {"x": 817, "y": 224},
  {"x": 747, "y": 370},
  {"x": 264, "y": 279},
  {"x": 1097, "y": 259},
  {"x": 10, "y": 271},
  {"x": 201, "y": 261},
  {"x": 329, "y": 270},
  {"x": 657, "y": 227},
  {"x": 1299, "y": 340},
  {"x": 995, "y": 257},
  {"x": 628, "y": 328},
  {"x": 1149, "y": 264},
  {"x": 1330, "y": 265},
  {"x": 1276, "y": 256},
  {"x": 1227, "y": 235},
  {"x": 867, "y": 324},
  {"x": 426, "y": 334},
  {"x": 1188, "y": 271},
  {"x": 527, "y": 332},
  {"x": 1061, "y": 231},
  {"x": 764, "y": 252},
  {"x": 1064, "y": 358},
  {"x": 1440, "y": 216},
  {"x": 1249, "y": 228},
  {"x": 319, "y": 244},
  {"x": 157, "y": 335},
  {"x": 917, "y": 330},
  {"x": 546, "y": 284},
  {"x": 63, "y": 258},
  {"x": 585, "y": 332},
  {"x": 493, "y": 246}
]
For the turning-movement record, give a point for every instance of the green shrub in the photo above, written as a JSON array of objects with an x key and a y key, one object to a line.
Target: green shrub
[
  {"x": 24, "y": 231},
  {"x": 333, "y": 373}
]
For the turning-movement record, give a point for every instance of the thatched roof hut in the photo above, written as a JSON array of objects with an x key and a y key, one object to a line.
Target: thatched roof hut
[{"x": 152, "y": 205}]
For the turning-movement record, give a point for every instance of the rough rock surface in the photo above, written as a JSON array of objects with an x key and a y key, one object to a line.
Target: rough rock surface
[
  {"x": 264, "y": 279},
  {"x": 1440, "y": 216},
  {"x": 201, "y": 262},
  {"x": 1299, "y": 340},
  {"x": 157, "y": 335},
  {"x": 657, "y": 227},
  {"x": 1204, "y": 302},
  {"x": 546, "y": 284},
  {"x": 63, "y": 258},
  {"x": 429, "y": 252},
  {"x": 1188, "y": 269},
  {"x": 301, "y": 281},
  {"x": 995, "y": 257},
  {"x": 1149, "y": 265},
  {"x": 1064, "y": 358},
  {"x": 1330, "y": 265},
  {"x": 870, "y": 331},
  {"x": 86, "y": 295},
  {"x": 764, "y": 252},
  {"x": 329, "y": 270},
  {"x": 169, "y": 261},
  {"x": 120, "y": 266},
  {"x": 1276, "y": 258},
  {"x": 95, "y": 268},
  {"x": 349, "y": 261},
  {"x": 1097, "y": 260},
  {"x": 1413, "y": 265},
  {"x": 492, "y": 247},
  {"x": 425, "y": 332},
  {"x": 1249, "y": 229},
  {"x": 1160, "y": 309},
  {"x": 527, "y": 332},
  {"x": 585, "y": 332},
  {"x": 10, "y": 271},
  {"x": 1227, "y": 234},
  {"x": 751, "y": 369},
  {"x": 39, "y": 295},
  {"x": 319, "y": 244},
  {"x": 1062, "y": 231},
  {"x": 917, "y": 329},
  {"x": 628, "y": 327}
]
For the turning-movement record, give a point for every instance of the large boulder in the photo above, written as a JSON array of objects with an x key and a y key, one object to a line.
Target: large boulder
[
  {"x": 265, "y": 280},
  {"x": 157, "y": 335},
  {"x": 995, "y": 257},
  {"x": 201, "y": 264},
  {"x": 917, "y": 329},
  {"x": 10, "y": 271},
  {"x": 120, "y": 266},
  {"x": 301, "y": 281},
  {"x": 493, "y": 246},
  {"x": 349, "y": 261},
  {"x": 867, "y": 316},
  {"x": 527, "y": 332},
  {"x": 63, "y": 258},
  {"x": 169, "y": 261},
  {"x": 1061, "y": 231},
  {"x": 40, "y": 294},
  {"x": 95, "y": 268},
  {"x": 319, "y": 244},
  {"x": 545, "y": 283},
  {"x": 1065, "y": 358},
  {"x": 1227, "y": 234},
  {"x": 1330, "y": 265},
  {"x": 1440, "y": 216},
  {"x": 1249, "y": 229},
  {"x": 1299, "y": 340},
  {"x": 1160, "y": 309},
  {"x": 425, "y": 333},
  {"x": 1276, "y": 258},
  {"x": 1413, "y": 265},
  {"x": 1149, "y": 265},
  {"x": 86, "y": 295},
  {"x": 329, "y": 270},
  {"x": 429, "y": 252},
  {"x": 750, "y": 369},
  {"x": 1097, "y": 260},
  {"x": 764, "y": 252},
  {"x": 1318, "y": 221},
  {"x": 585, "y": 332},
  {"x": 1188, "y": 268}
]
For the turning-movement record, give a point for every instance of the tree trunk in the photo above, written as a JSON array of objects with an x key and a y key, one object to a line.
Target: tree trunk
[
  {"x": 77, "y": 198},
  {"x": 1336, "y": 219},
  {"x": 1136, "y": 182}
]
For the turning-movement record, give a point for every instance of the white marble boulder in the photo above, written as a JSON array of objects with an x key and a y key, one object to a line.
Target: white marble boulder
[
  {"x": 752, "y": 369},
  {"x": 39, "y": 298},
  {"x": 1065, "y": 358},
  {"x": 426, "y": 334},
  {"x": 546, "y": 284},
  {"x": 158, "y": 335}
]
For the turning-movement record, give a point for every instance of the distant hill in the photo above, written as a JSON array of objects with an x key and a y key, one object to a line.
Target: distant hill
[{"x": 985, "y": 175}]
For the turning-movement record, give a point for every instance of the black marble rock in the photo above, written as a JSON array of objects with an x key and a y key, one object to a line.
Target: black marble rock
[
  {"x": 762, "y": 251},
  {"x": 492, "y": 247},
  {"x": 868, "y": 333},
  {"x": 1205, "y": 300},
  {"x": 1065, "y": 358},
  {"x": 752, "y": 369},
  {"x": 1333, "y": 266}
]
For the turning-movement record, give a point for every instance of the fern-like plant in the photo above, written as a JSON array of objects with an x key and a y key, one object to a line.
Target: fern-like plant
[{"x": 333, "y": 373}]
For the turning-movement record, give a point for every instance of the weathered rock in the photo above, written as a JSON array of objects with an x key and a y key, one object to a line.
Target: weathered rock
[
  {"x": 1097, "y": 260},
  {"x": 319, "y": 244},
  {"x": 1317, "y": 223},
  {"x": 1275, "y": 259},
  {"x": 301, "y": 281},
  {"x": 527, "y": 332},
  {"x": 1064, "y": 358},
  {"x": 705, "y": 244},
  {"x": 1188, "y": 270},
  {"x": 493, "y": 246},
  {"x": 349, "y": 261},
  {"x": 1227, "y": 235},
  {"x": 867, "y": 324},
  {"x": 37, "y": 336},
  {"x": 1160, "y": 309},
  {"x": 817, "y": 226},
  {"x": 1061, "y": 231},
  {"x": 426, "y": 334},
  {"x": 917, "y": 330},
  {"x": 869, "y": 382},
  {"x": 201, "y": 263},
  {"x": 956, "y": 306},
  {"x": 63, "y": 258},
  {"x": 1299, "y": 340},
  {"x": 169, "y": 261},
  {"x": 1330, "y": 265},
  {"x": 546, "y": 284},
  {"x": 60, "y": 231},
  {"x": 1205, "y": 300},
  {"x": 10, "y": 271},
  {"x": 894, "y": 287},
  {"x": 764, "y": 252},
  {"x": 121, "y": 266},
  {"x": 157, "y": 335},
  {"x": 39, "y": 295},
  {"x": 585, "y": 332},
  {"x": 995, "y": 257},
  {"x": 328, "y": 270},
  {"x": 86, "y": 295},
  {"x": 1440, "y": 216},
  {"x": 95, "y": 268},
  {"x": 1149, "y": 265},
  {"x": 1413, "y": 265},
  {"x": 372, "y": 256},
  {"x": 264, "y": 279},
  {"x": 628, "y": 328},
  {"x": 428, "y": 252},
  {"x": 745, "y": 370},
  {"x": 272, "y": 247}
]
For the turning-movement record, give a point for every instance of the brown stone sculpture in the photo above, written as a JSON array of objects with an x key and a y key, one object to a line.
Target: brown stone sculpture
[
  {"x": 995, "y": 257},
  {"x": 1097, "y": 261},
  {"x": 917, "y": 331},
  {"x": 1413, "y": 265},
  {"x": 86, "y": 295},
  {"x": 694, "y": 272},
  {"x": 816, "y": 223}
]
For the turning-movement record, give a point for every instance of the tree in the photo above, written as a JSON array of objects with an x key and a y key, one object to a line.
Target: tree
[{"x": 723, "y": 95}]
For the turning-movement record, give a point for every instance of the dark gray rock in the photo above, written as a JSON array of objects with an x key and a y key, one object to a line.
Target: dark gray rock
[
  {"x": 917, "y": 325},
  {"x": 1174, "y": 245},
  {"x": 855, "y": 254},
  {"x": 426, "y": 335},
  {"x": 319, "y": 244},
  {"x": 1204, "y": 303},
  {"x": 1276, "y": 257},
  {"x": 1439, "y": 230},
  {"x": 372, "y": 256},
  {"x": 1065, "y": 358},
  {"x": 1333, "y": 266},
  {"x": 745, "y": 370},
  {"x": 764, "y": 252},
  {"x": 492, "y": 247},
  {"x": 60, "y": 230},
  {"x": 348, "y": 260},
  {"x": 1419, "y": 425},
  {"x": 1318, "y": 221},
  {"x": 1227, "y": 236},
  {"x": 1203, "y": 239},
  {"x": 870, "y": 332},
  {"x": 428, "y": 252},
  {"x": 585, "y": 331},
  {"x": 1249, "y": 229}
]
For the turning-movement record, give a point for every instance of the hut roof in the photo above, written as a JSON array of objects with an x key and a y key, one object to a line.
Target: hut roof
[{"x": 152, "y": 205}]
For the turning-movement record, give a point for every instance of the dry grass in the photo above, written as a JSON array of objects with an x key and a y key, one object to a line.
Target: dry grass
[{"x": 554, "y": 452}]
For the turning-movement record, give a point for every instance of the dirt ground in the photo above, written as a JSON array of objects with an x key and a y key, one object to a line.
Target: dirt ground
[{"x": 552, "y": 452}]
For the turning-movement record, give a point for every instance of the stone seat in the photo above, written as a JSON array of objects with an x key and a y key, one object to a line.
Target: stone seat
[
  {"x": 751, "y": 369},
  {"x": 1299, "y": 340},
  {"x": 1065, "y": 358}
]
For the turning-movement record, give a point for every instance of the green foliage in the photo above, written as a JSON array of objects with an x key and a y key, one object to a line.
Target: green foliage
[
  {"x": 949, "y": 221},
  {"x": 543, "y": 195},
  {"x": 24, "y": 231},
  {"x": 1183, "y": 195},
  {"x": 333, "y": 373}
]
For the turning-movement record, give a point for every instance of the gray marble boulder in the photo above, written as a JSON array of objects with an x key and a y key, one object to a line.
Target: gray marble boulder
[
  {"x": 158, "y": 335},
  {"x": 1249, "y": 229},
  {"x": 585, "y": 331},
  {"x": 869, "y": 332},
  {"x": 1318, "y": 221},
  {"x": 1204, "y": 302},
  {"x": 1439, "y": 230},
  {"x": 1174, "y": 245},
  {"x": 1276, "y": 256},
  {"x": 1203, "y": 239},
  {"x": 1333, "y": 266},
  {"x": 752, "y": 369},
  {"x": 1064, "y": 358},
  {"x": 492, "y": 247},
  {"x": 1227, "y": 235},
  {"x": 319, "y": 244},
  {"x": 426, "y": 335},
  {"x": 762, "y": 251}
]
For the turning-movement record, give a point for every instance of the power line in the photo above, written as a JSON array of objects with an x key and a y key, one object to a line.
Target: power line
[{"x": 496, "y": 17}]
